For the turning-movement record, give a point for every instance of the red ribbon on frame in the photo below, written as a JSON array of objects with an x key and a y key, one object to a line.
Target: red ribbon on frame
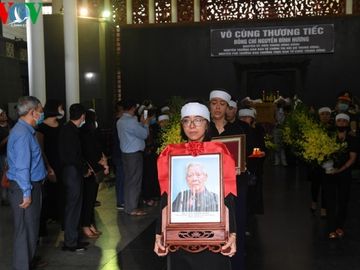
[{"x": 194, "y": 149}]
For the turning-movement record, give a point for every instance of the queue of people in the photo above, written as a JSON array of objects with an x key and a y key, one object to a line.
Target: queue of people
[
  {"x": 334, "y": 188},
  {"x": 51, "y": 166},
  {"x": 200, "y": 124},
  {"x": 57, "y": 179},
  {"x": 56, "y": 176},
  {"x": 329, "y": 191},
  {"x": 70, "y": 155}
]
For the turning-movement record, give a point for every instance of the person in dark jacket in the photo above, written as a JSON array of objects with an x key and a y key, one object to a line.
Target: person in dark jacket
[
  {"x": 53, "y": 190},
  {"x": 337, "y": 187},
  {"x": 73, "y": 170},
  {"x": 97, "y": 162},
  {"x": 317, "y": 174}
]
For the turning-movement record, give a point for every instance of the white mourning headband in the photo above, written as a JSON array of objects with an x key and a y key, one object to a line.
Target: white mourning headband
[
  {"x": 342, "y": 116},
  {"x": 232, "y": 104},
  {"x": 220, "y": 94},
  {"x": 247, "y": 112},
  {"x": 196, "y": 109},
  {"x": 324, "y": 109},
  {"x": 163, "y": 117},
  {"x": 164, "y": 109}
]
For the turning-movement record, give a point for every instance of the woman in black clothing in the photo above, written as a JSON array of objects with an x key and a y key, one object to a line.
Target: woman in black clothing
[
  {"x": 218, "y": 105},
  {"x": 219, "y": 102},
  {"x": 48, "y": 134},
  {"x": 337, "y": 186},
  {"x": 195, "y": 123},
  {"x": 254, "y": 139},
  {"x": 96, "y": 160},
  {"x": 317, "y": 174}
]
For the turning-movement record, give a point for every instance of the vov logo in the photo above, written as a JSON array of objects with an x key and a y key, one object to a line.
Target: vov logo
[{"x": 16, "y": 14}]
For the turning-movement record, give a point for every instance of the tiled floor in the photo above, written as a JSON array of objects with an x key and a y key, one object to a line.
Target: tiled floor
[{"x": 287, "y": 237}]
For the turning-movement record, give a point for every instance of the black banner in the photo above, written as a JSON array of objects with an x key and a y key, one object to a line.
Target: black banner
[{"x": 276, "y": 40}]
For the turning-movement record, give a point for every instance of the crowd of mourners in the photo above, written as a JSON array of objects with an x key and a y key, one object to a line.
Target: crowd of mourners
[{"x": 53, "y": 166}]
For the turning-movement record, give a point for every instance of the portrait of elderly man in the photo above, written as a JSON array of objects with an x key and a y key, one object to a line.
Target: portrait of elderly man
[{"x": 197, "y": 198}]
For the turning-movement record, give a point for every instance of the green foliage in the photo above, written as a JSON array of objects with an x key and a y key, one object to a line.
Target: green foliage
[
  {"x": 172, "y": 132},
  {"x": 269, "y": 142}
]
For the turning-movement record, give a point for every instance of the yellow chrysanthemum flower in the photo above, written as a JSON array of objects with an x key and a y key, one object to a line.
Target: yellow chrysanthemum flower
[{"x": 309, "y": 139}]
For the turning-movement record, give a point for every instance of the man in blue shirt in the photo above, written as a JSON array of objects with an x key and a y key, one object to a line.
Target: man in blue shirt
[
  {"x": 26, "y": 174},
  {"x": 132, "y": 135}
]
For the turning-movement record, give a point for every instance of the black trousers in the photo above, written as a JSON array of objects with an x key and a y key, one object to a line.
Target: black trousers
[
  {"x": 337, "y": 193},
  {"x": 238, "y": 260},
  {"x": 73, "y": 182},
  {"x": 26, "y": 224},
  {"x": 89, "y": 198},
  {"x": 150, "y": 183},
  {"x": 318, "y": 177},
  {"x": 317, "y": 187},
  {"x": 49, "y": 206}
]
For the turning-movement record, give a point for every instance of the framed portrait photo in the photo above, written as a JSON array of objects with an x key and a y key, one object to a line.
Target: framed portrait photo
[
  {"x": 195, "y": 184},
  {"x": 236, "y": 146},
  {"x": 196, "y": 216}
]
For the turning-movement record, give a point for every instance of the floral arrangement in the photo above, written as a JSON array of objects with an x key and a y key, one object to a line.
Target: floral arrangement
[
  {"x": 308, "y": 139},
  {"x": 172, "y": 132},
  {"x": 269, "y": 142}
]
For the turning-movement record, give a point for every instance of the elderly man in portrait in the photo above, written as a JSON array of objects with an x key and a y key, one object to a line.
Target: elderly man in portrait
[{"x": 197, "y": 198}]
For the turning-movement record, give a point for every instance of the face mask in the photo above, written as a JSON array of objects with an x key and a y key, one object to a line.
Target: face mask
[
  {"x": 82, "y": 123},
  {"x": 40, "y": 119},
  {"x": 343, "y": 107},
  {"x": 62, "y": 113},
  {"x": 96, "y": 124},
  {"x": 342, "y": 129}
]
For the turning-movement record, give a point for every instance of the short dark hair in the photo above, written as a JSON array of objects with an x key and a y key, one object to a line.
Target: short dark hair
[
  {"x": 51, "y": 108},
  {"x": 90, "y": 116},
  {"x": 128, "y": 104},
  {"x": 76, "y": 111}
]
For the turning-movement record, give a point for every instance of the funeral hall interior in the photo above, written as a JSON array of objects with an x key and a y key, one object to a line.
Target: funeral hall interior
[{"x": 157, "y": 52}]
